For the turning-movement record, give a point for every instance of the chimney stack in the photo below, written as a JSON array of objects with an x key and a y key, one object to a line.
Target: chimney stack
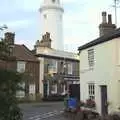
[
  {"x": 109, "y": 19},
  {"x": 104, "y": 20},
  {"x": 106, "y": 27},
  {"x": 46, "y": 41},
  {"x": 9, "y": 38}
]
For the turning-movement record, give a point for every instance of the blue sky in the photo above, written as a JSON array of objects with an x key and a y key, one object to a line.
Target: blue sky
[{"x": 81, "y": 20}]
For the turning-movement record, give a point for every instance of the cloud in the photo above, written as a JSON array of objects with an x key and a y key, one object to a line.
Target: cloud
[
  {"x": 68, "y": 1},
  {"x": 19, "y": 24}
]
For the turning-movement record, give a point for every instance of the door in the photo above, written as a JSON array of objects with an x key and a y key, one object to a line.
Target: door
[
  {"x": 45, "y": 89},
  {"x": 74, "y": 90},
  {"x": 104, "y": 107}
]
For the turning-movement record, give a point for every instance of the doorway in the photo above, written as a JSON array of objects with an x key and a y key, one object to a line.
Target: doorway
[
  {"x": 74, "y": 90},
  {"x": 104, "y": 106}
]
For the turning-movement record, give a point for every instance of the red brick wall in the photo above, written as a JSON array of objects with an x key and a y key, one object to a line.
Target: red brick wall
[{"x": 32, "y": 69}]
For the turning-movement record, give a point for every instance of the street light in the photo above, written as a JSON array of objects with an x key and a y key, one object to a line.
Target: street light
[
  {"x": 116, "y": 3},
  {"x": 3, "y": 27}
]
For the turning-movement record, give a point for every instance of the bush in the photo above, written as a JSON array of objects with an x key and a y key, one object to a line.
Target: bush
[
  {"x": 90, "y": 103},
  {"x": 81, "y": 104}
]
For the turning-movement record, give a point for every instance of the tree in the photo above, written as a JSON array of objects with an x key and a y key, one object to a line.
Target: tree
[
  {"x": 9, "y": 84},
  {"x": 4, "y": 50}
]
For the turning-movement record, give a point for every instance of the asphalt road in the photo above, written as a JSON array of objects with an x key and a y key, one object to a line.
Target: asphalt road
[{"x": 43, "y": 111}]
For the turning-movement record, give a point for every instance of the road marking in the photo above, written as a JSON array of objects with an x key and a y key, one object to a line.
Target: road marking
[
  {"x": 41, "y": 114},
  {"x": 45, "y": 115}
]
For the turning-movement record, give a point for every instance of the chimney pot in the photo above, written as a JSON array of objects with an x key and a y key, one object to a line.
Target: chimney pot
[
  {"x": 104, "y": 13},
  {"x": 104, "y": 20},
  {"x": 48, "y": 35},
  {"x": 109, "y": 19},
  {"x": 9, "y": 38}
]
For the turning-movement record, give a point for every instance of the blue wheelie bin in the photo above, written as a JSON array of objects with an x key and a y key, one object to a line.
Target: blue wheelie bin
[{"x": 72, "y": 104}]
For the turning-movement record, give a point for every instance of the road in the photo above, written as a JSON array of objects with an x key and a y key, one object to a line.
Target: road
[{"x": 43, "y": 111}]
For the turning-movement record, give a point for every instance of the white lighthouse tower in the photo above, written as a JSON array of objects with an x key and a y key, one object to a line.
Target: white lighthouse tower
[{"x": 52, "y": 22}]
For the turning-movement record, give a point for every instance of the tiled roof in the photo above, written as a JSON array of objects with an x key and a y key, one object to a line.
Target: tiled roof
[
  {"x": 21, "y": 52},
  {"x": 104, "y": 38}
]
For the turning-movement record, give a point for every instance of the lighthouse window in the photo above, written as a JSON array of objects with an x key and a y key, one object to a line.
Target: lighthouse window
[
  {"x": 53, "y": 1},
  {"x": 60, "y": 17},
  {"x": 45, "y": 16}
]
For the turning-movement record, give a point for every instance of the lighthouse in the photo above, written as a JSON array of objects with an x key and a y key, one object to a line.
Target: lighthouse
[{"x": 51, "y": 12}]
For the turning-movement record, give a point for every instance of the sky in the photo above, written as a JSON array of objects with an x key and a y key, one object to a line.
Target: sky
[{"x": 81, "y": 19}]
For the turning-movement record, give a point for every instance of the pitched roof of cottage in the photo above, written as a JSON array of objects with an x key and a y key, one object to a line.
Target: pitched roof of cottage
[
  {"x": 104, "y": 38},
  {"x": 21, "y": 52}
]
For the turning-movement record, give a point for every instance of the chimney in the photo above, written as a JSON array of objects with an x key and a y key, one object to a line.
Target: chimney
[
  {"x": 46, "y": 41},
  {"x": 9, "y": 38},
  {"x": 106, "y": 27},
  {"x": 104, "y": 20},
  {"x": 109, "y": 19},
  {"x": 48, "y": 35}
]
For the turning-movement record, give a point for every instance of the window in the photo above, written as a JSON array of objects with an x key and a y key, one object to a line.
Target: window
[
  {"x": 60, "y": 17},
  {"x": 91, "y": 57},
  {"x": 54, "y": 89},
  {"x": 52, "y": 68},
  {"x": 91, "y": 91},
  {"x": 20, "y": 66},
  {"x": 53, "y": 1},
  {"x": 32, "y": 88},
  {"x": 45, "y": 16},
  {"x": 21, "y": 93},
  {"x": 69, "y": 68}
]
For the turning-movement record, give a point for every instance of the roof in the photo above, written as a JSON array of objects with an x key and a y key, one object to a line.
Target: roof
[
  {"x": 56, "y": 57},
  {"x": 21, "y": 52},
  {"x": 44, "y": 51},
  {"x": 104, "y": 38}
]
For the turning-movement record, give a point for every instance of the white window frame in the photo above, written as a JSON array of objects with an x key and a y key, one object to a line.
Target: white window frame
[
  {"x": 53, "y": 1},
  {"x": 21, "y": 93},
  {"x": 91, "y": 91},
  {"x": 45, "y": 16},
  {"x": 53, "y": 66},
  {"x": 54, "y": 89},
  {"x": 70, "y": 68},
  {"x": 31, "y": 88},
  {"x": 21, "y": 66}
]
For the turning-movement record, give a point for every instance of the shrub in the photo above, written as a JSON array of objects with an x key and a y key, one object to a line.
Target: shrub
[
  {"x": 90, "y": 103},
  {"x": 81, "y": 104}
]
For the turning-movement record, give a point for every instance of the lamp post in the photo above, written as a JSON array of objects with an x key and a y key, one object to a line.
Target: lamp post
[
  {"x": 116, "y": 3},
  {"x": 3, "y": 27}
]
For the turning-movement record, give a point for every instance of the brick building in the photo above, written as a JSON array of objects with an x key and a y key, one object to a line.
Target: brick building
[{"x": 22, "y": 61}]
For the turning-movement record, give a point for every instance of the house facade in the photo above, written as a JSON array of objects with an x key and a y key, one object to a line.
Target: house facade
[
  {"x": 58, "y": 69},
  {"x": 23, "y": 61},
  {"x": 100, "y": 70}
]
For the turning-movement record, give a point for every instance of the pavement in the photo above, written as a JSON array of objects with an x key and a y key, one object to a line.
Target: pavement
[{"x": 43, "y": 111}]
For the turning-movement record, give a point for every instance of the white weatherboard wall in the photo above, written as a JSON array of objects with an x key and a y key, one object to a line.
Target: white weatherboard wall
[
  {"x": 52, "y": 22},
  {"x": 105, "y": 72}
]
